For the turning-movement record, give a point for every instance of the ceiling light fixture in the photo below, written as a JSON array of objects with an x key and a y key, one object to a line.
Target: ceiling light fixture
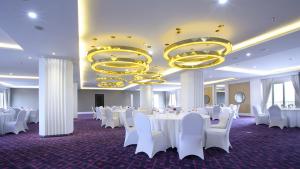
[
  {"x": 197, "y": 59},
  {"x": 223, "y": 2},
  {"x": 29, "y": 57},
  {"x": 148, "y": 78},
  {"x": 111, "y": 82},
  {"x": 32, "y": 15},
  {"x": 248, "y": 54},
  {"x": 117, "y": 65},
  {"x": 53, "y": 53}
]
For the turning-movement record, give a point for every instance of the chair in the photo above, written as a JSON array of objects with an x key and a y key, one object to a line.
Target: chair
[
  {"x": 235, "y": 110},
  {"x": 260, "y": 118},
  {"x": 191, "y": 136},
  {"x": 102, "y": 115},
  {"x": 223, "y": 118},
  {"x": 276, "y": 118},
  {"x": 131, "y": 136},
  {"x": 216, "y": 112},
  {"x": 94, "y": 112},
  {"x": 217, "y": 137},
  {"x": 34, "y": 116},
  {"x": 110, "y": 120},
  {"x": 17, "y": 125},
  {"x": 149, "y": 141},
  {"x": 17, "y": 110},
  {"x": 129, "y": 117},
  {"x": 27, "y": 119}
]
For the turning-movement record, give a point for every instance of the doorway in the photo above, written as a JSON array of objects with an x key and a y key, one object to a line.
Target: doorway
[{"x": 99, "y": 100}]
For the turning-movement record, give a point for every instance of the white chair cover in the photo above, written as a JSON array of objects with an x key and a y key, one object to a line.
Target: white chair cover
[
  {"x": 129, "y": 117},
  {"x": 216, "y": 137},
  {"x": 223, "y": 119},
  {"x": 259, "y": 117},
  {"x": 216, "y": 112},
  {"x": 111, "y": 120},
  {"x": 276, "y": 117},
  {"x": 102, "y": 115},
  {"x": 17, "y": 125},
  {"x": 149, "y": 141},
  {"x": 131, "y": 136},
  {"x": 190, "y": 138}
]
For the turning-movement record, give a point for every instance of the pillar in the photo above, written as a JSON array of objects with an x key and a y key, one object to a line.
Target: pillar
[
  {"x": 55, "y": 97},
  {"x": 192, "y": 89},
  {"x": 146, "y": 99}
]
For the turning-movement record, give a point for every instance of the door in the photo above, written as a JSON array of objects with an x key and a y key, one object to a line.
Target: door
[{"x": 99, "y": 100}]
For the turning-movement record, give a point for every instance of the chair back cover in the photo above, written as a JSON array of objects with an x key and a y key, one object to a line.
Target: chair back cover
[
  {"x": 108, "y": 114},
  {"x": 21, "y": 117},
  {"x": 224, "y": 117},
  {"x": 216, "y": 109},
  {"x": 129, "y": 117},
  {"x": 142, "y": 125},
  {"x": 192, "y": 124},
  {"x": 275, "y": 113},
  {"x": 229, "y": 123}
]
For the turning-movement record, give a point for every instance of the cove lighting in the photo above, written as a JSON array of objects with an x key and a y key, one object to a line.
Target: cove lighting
[
  {"x": 18, "y": 77},
  {"x": 10, "y": 46},
  {"x": 219, "y": 81}
]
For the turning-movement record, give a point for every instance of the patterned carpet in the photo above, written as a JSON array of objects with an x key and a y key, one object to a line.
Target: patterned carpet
[{"x": 94, "y": 147}]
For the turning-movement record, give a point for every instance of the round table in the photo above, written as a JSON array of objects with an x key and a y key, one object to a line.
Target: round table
[
  {"x": 5, "y": 117},
  {"x": 170, "y": 125},
  {"x": 293, "y": 116}
]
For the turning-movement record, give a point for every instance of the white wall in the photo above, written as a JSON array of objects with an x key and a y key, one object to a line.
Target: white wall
[
  {"x": 86, "y": 98},
  {"x": 27, "y": 98}
]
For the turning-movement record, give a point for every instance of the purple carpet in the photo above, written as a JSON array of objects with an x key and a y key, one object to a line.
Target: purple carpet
[{"x": 94, "y": 147}]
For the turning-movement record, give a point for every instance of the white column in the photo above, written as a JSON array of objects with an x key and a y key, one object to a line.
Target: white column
[
  {"x": 55, "y": 97},
  {"x": 255, "y": 93},
  {"x": 146, "y": 99},
  {"x": 75, "y": 101},
  {"x": 192, "y": 89},
  {"x": 226, "y": 94}
]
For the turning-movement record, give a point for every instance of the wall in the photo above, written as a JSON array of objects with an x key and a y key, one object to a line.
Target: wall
[
  {"x": 86, "y": 98},
  {"x": 208, "y": 92},
  {"x": 27, "y": 98},
  {"x": 240, "y": 87}
]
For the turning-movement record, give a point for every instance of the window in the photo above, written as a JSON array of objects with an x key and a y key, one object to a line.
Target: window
[
  {"x": 172, "y": 100},
  {"x": 282, "y": 94},
  {"x": 1, "y": 100}
]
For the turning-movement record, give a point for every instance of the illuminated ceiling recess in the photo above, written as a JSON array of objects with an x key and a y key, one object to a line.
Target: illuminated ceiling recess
[
  {"x": 109, "y": 60},
  {"x": 111, "y": 82},
  {"x": 83, "y": 23},
  {"x": 148, "y": 78},
  {"x": 198, "y": 59}
]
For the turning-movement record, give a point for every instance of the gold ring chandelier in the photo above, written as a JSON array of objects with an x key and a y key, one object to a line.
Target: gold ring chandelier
[
  {"x": 111, "y": 82},
  {"x": 117, "y": 65},
  {"x": 199, "y": 58},
  {"x": 148, "y": 78}
]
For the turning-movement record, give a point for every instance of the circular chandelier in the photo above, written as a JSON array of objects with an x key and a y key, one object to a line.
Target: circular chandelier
[
  {"x": 117, "y": 64},
  {"x": 148, "y": 78},
  {"x": 199, "y": 58},
  {"x": 111, "y": 82}
]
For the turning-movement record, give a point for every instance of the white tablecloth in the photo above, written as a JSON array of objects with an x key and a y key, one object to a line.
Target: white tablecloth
[
  {"x": 293, "y": 117},
  {"x": 4, "y": 117},
  {"x": 170, "y": 125}
]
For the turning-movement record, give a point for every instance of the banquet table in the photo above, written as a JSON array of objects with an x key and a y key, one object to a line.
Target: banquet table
[
  {"x": 293, "y": 116},
  {"x": 5, "y": 117},
  {"x": 170, "y": 125}
]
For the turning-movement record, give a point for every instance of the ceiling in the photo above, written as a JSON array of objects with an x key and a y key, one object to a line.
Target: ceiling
[{"x": 151, "y": 22}]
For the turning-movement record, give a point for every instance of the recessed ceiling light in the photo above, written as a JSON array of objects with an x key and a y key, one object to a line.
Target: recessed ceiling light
[
  {"x": 53, "y": 53},
  {"x": 32, "y": 15},
  {"x": 254, "y": 67},
  {"x": 29, "y": 57},
  {"x": 150, "y": 52},
  {"x": 223, "y": 1},
  {"x": 248, "y": 54}
]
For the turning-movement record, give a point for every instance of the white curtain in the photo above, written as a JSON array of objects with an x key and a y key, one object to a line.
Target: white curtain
[
  {"x": 167, "y": 98},
  {"x": 296, "y": 84},
  {"x": 56, "y": 103},
  {"x": 266, "y": 88}
]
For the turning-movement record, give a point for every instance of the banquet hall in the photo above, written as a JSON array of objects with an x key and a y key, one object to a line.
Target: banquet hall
[{"x": 150, "y": 84}]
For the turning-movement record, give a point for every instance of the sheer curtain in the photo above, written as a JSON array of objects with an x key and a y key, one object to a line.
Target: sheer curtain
[
  {"x": 266, "y": 88},
  {"x": 296, "y": 84},
  {"x": 5, "y": 100}
]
